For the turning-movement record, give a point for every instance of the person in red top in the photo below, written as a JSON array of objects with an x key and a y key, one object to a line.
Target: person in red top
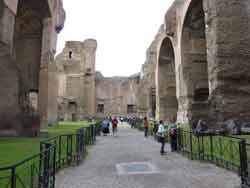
[
  {"x": 145, "y": 124},
  {"x": 114, "y": 126}
]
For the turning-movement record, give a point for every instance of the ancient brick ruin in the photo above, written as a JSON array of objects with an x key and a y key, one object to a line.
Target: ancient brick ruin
[
  {"x": 28, "y": 33},
  {"x": 197, "y": 67},
  {"x": 76, "y": 76},
  {"x": 204, "y": 56},
  {"x": 85, "y": 93}
]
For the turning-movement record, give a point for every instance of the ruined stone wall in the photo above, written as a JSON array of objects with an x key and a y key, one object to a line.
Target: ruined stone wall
[
  {"x": 116, "y": 94},
  {"x": 82, "y": 92},
  {"x": 26, "y": 31},
  {"x": 210, "y": 43},
  {"x": 147, "y": 95},
  {"x": 76, "y": 76}
]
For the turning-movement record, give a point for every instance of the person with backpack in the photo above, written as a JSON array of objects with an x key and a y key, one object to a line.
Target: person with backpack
[
  {"x": 145, "y": 125},
  {"x": 114, "y": 126},
  {"x": 105, "y": 127}
]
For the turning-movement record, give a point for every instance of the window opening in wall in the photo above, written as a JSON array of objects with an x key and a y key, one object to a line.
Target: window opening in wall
[
  {"x": 70, "y": 54},
  {"x": 131, "y": 108},
  {"x": 72, "y": 106},
  {"x": 201, "y": 94},
  {"x": 100, "y": 108}
]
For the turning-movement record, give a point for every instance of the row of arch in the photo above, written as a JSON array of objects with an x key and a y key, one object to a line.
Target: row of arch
[{"x": 184, "y": 84}]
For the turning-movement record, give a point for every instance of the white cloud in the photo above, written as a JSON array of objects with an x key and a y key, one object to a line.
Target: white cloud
[{"x": 123, "y": 29}]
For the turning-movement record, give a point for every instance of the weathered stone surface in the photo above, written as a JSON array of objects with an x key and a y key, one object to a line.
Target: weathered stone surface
[
  {"x": 76, "y": 76},
  {"x": 118, "y": 95},
  {"x": 26, "y": 34},
  {"x": 211, "y": 48},
  {"x": 83, "y": 92}
]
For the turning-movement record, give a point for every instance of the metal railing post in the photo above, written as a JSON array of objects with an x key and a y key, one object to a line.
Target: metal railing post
[
  {"x": 31, "y": 175},
  {"x": 191, "y": 144},
  {"x": 60, "y": 152},
  {"x": 211, "y": 147},
  {"x": 220, "y": 148},
  {"x": 54, "y": 167},
  {"x": 46, "y": 166},
  {"x": 243, "y": 159},
  {"x": 203, "y": 150},
  {"x": 199, "y": 148},
  {"x": 13, "y": 177}
]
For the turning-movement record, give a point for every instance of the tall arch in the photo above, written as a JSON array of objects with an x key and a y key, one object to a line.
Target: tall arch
[
  {"x": 194, "y": 62},
  {"x": 167, "y": 104}
]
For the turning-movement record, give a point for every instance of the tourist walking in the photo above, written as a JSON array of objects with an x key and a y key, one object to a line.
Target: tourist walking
[
  {"x": 114, "y": 126},
  {"x": 145, "y": 124},
  {"x": 161, "y": 136},
  {"x": 105, "y": 127}
]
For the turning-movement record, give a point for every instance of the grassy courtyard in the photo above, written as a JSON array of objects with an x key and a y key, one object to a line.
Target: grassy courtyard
[
  {"x": 66, "y": 127},
  {"x": 13, "y": 150},
  {"x": 16, "y": 149}
]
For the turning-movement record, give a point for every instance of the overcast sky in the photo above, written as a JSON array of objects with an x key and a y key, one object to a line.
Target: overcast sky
[{"x": 123, "y": 29}]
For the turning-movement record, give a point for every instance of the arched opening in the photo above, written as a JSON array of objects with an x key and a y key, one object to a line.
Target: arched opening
[
  {"x": 70, "y": 54},
  {"x": 167, "y": 101},
  {"x": 28, "y": 41},
  {"x": 194, "y": 62},
  {"x": 152, "y": 102}
]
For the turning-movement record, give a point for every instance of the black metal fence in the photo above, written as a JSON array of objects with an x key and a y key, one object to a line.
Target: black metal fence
[
  {"x": 229, "y": 152},
  {"x": 39, "y": 170}
]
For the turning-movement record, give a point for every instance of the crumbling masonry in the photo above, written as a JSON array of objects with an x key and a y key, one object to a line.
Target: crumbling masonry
[
  {"x": 202, "y": 68},
  {"x": 76, "y": 76},
  {"x": 85, "y": 93},
  {"x": 197, "y": 67},
  {"x": 28, "y": 33}
]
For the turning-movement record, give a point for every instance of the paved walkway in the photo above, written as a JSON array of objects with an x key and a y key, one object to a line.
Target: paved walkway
[{"x": 99, "y": 170}]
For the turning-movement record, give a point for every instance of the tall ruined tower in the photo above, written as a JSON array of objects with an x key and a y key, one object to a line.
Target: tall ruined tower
[{"x": 76, "y": 77}]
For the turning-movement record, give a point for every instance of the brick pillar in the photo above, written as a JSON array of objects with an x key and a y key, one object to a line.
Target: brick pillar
[
  {"x": 9, "y": 78},
  {"x": 228, "y": 43},
  {"x": 46, "y": 58}
]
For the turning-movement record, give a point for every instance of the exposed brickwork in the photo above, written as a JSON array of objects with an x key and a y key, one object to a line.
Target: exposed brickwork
[
  {"x": 211, "y": 56},
  {"x": 27, "y": 29}
]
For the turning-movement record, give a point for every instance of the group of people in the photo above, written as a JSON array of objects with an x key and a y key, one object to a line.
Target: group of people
[
  {"x": 160, "y": 133},
  {"x": 106, "y": 123}
]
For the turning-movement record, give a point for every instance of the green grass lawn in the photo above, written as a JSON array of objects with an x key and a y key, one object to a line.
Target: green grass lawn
[
  {"x": 13, "y": 150},
  {"x": 66, "y": 127},
  {"x": 16, "y": 149}
]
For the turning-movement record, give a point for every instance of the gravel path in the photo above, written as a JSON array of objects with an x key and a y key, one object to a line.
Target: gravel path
[{"x": 171, "y": 170}]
